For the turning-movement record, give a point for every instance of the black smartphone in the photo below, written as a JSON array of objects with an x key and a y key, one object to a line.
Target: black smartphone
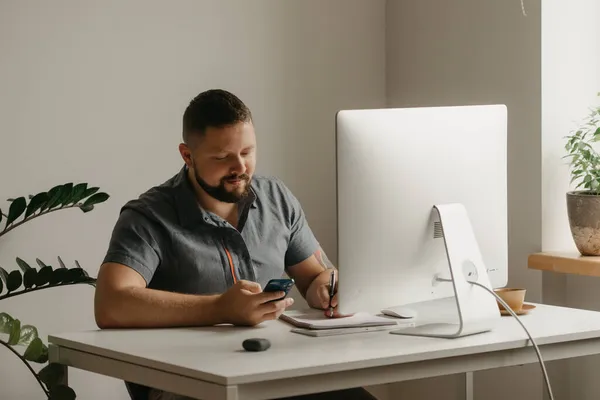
[{"x": 279, "y": 285}]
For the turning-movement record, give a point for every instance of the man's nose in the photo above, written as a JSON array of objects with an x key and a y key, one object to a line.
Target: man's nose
[{"x": 239, "y": 166}]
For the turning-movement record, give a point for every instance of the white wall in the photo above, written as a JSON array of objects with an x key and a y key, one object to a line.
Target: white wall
[
  {"x": 570, "y": 79},
  {"x": 94, "y": 92},
  {"x": 479, "y": 52}
]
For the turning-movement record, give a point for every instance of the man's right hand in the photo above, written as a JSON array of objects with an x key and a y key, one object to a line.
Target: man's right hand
[{"x": 246, "y": 304}]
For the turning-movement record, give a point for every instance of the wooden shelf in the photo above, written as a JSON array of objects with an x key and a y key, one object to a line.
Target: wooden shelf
[{"x": 565, "y": 263}]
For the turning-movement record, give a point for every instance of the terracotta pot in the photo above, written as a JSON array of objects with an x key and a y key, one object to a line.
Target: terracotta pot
[{"x": 583, "y": 209}]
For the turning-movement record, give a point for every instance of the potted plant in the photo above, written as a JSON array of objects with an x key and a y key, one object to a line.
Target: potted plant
[
  {"x": 583, "y": 203},
  {"x": 21, "y": 339}
]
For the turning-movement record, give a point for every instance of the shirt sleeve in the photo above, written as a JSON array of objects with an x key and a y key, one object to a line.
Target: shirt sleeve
[
  {"x": 302, "y": 243},
  {"x": 133, "y": 244}
]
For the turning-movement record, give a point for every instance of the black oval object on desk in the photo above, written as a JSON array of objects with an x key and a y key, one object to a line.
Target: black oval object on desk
[{"x": 256, "y": 344}]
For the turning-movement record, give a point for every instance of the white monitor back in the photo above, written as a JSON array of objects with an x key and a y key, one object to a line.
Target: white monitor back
[{"x": 393, "y": 166}]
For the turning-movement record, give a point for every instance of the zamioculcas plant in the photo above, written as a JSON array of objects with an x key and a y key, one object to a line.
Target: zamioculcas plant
[{"x": 22, "y": 339}]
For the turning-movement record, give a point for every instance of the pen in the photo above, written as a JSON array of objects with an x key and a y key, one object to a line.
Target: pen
[{"x": 331, "y": 291}]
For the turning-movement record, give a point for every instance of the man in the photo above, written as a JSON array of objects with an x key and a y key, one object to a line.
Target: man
[{"x": 197, "y": 249}]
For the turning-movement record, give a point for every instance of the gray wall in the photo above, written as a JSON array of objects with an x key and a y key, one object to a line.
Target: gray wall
[{"x": 479, "y": 52}]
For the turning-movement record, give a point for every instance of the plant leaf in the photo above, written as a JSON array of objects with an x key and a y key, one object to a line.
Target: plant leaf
[
  {"x": 36, "y": 203},
  {"x": 23, "y": 265},
  {"x": 61, "y": 392},
  {"x": 96, "y": 199},
  {"x": 36, "y": 351},
  {"x": 79, "y": 266},
  {"x": 89, "y": 192},
  {"x": 78, "y": 192},
  {"x": 52, "y": 374},
  {"x": 61, "y": 263},
  {"x": 40, "y": 263},
  {"x": 76, "y": 275},
  {"x": 66, "y": 193},
  {"x": 15, "y": 332},
  {"x": 16, "y": 209},
  {"x": 43, "y": 276},
  {"x": 86, "y": 209},
  {"x": 3, "y": 275},
  {"x": 15, "y": 280},
  {"x": 72, "y": 275},
  {"x": 29, "y": 278},
  {"x": 28, "y": 333},
  {"x": 58, "y": 276},
  {"x": 53, "y": 195},
  {"x": 5, "y": 322}
]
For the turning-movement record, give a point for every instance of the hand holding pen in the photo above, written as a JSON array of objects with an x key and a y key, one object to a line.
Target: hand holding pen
[{"x": 325, "y": 296}]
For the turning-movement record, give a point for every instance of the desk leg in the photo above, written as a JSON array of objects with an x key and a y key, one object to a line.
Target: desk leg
[
  {"x": 53, "y": 355},
  {"x": 469, "y": 386}
]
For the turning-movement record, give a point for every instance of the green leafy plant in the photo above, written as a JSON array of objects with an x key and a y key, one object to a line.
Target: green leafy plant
[
  {"x": 23, "y": 340},
  {"x": 584, "y": 159}
]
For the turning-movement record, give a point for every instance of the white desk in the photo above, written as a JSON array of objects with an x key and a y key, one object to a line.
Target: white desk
[{"x": 210, "y": 363}]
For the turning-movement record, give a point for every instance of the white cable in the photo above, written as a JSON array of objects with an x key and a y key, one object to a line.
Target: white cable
[
  {"x": 537, "y": 350},
  {"x": 506, "y": 306}
]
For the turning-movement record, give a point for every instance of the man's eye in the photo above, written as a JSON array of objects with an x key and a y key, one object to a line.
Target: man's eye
[{"x": 220, "y": 158}]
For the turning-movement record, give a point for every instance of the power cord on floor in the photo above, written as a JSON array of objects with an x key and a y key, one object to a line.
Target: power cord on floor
[{"x": 535, "y": 346}]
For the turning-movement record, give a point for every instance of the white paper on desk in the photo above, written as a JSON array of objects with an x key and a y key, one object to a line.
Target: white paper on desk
[{"x": 316, "y": 319}]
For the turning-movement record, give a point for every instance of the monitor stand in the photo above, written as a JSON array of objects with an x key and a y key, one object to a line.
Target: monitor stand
[{"x": 477, "y": 309}]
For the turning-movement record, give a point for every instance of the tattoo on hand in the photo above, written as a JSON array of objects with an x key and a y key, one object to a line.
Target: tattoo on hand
[{"x": 323, "y": 260}]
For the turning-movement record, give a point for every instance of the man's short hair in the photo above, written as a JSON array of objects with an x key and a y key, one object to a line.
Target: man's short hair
[{"x": 213, "y": 108}]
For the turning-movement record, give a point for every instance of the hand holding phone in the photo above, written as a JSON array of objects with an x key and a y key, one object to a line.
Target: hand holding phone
[
  {"x": 279, "y": 285},
  {"x": 245, "y": 304}
]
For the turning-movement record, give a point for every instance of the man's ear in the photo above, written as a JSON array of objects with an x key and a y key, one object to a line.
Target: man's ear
[{"x": 186, "y": 154}]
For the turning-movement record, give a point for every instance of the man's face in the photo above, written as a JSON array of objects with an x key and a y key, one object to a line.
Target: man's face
[{"x": 223, "y": 161}]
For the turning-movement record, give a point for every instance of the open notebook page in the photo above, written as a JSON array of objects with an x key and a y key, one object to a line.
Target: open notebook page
[{"x": 316, "y": 319}]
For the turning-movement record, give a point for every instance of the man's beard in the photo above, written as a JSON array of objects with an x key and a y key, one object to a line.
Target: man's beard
[{"x": 221, "y": 193}]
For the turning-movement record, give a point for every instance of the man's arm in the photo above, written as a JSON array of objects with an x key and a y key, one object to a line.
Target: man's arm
[
  {"x": 312, "y": 279},
  {"x": 305, "y": 260},
  {"x": 123, "y": 300}
]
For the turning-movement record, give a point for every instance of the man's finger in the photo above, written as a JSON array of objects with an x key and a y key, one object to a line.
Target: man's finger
[
  {"x": 252, "y": 287},
  {"x": 276, "y": 306},
  {"x": 334, "y": 301},
  {"x": 266, "y": 297},
  {"x": 270, "y": 316},
  {"x": 323, "y": 294},
  {"x": 336, "y": 314}
]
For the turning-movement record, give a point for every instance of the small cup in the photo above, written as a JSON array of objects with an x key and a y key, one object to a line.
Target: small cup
[{"x": 514, "y": 297}]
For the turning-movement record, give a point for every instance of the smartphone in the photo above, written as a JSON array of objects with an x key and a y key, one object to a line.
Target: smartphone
[{"x": 279, "y": 285}]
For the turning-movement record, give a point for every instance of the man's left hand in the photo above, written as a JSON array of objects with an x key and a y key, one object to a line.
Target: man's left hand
[{"x": 317, "y": 295}]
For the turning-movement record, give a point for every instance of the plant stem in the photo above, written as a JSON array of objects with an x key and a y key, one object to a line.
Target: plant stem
[
  {"x": 14, "y": 225},
  {"x": 9, "y": 347},
  {"x": 23, "y": 291}
]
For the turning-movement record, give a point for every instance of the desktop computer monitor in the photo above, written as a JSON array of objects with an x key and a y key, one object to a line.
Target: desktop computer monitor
[{"x": 418, "y": 188}]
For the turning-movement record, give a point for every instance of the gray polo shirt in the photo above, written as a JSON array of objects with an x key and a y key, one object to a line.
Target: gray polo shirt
[{"x": 178, "y": 246}]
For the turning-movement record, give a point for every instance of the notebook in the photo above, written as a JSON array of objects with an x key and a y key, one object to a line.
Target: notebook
[
  {"x": 316, "y": 319},
  {"x": 347, "y": 331}
]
